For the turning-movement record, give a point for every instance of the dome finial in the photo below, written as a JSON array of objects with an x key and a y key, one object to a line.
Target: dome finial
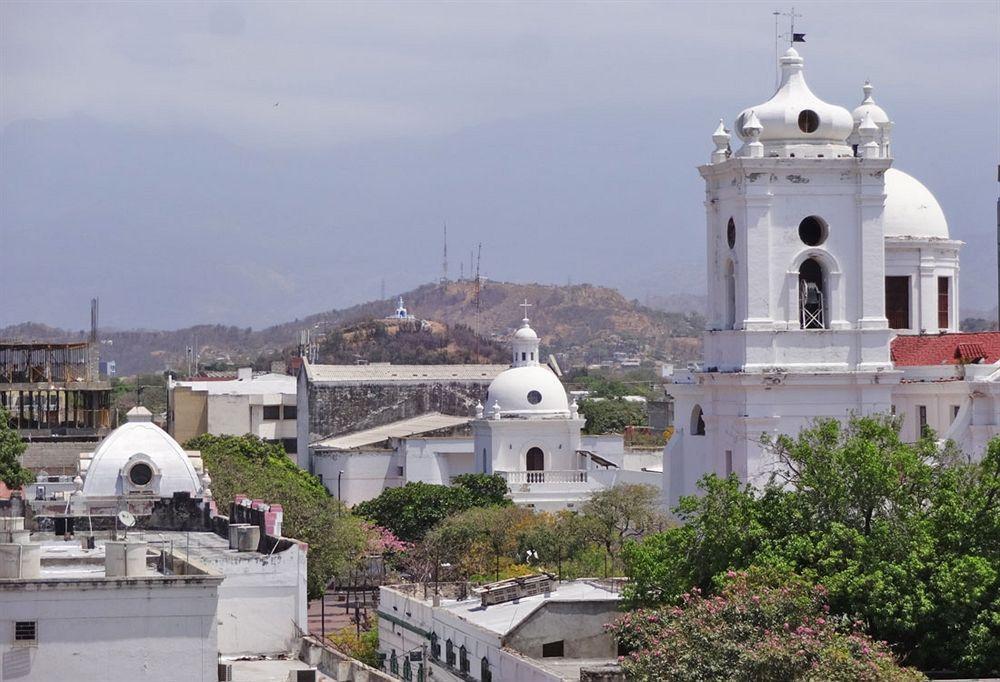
[
  {"x": 525, "y": 305},
  {"x": 868, "y": 87}
]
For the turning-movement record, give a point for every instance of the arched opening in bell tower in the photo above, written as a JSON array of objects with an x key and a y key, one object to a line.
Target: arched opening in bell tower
[
  {"x": 812, "y": 295},
  {"x": 697, "y": 421}
]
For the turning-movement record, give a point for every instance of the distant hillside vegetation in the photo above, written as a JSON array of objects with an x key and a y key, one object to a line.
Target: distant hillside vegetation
[
  {"x": 404, "y": 342},
  {"x": 584, "y": 323}
]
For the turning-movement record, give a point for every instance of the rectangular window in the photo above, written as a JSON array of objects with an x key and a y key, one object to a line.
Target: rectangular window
[
  {"x": 289, "y": 411},
  {"x": 921, "y": 419},
  {"x": 729, "y": 463},
  {"x": 272, "y": 412},
  {"x": 943, "y": 286},
  {"x": 25, "y": 631},
  {"x": 954, "y": 412},
  {"x": 897, "y": 302},
  {"x": 552, "y": 649},
  {"x": 291, "y": 445}
]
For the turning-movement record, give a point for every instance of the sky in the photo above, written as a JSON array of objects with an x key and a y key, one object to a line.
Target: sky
[{"x": 251, "y": 163}]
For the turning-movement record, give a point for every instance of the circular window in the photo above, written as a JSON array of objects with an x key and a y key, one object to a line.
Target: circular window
[
  {"x": 808, "y": 121},
  {"x": 140, "y": 474},
  {"x": 534, "y": 397},
  {"x": 813, "y": 231},
  {"x": 731, "y": 233}
]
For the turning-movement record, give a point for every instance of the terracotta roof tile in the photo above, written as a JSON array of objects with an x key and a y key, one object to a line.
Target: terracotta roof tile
[{"x": 946, "y": 349}]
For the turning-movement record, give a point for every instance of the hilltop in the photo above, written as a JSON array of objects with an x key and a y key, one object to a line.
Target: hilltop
[
  {"x": 408, "y": 342},
  {"x": 584, "y": 323}
]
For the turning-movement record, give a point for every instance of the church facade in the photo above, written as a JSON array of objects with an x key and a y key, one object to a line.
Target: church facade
[{"x": 831, "y": 273}]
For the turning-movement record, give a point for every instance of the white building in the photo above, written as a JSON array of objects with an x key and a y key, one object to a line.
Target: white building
[
  {"x": 263, "y": 405},
  {"x": 535, "y": 634},
  {"x": 528, "y": 432},
  {"x": 825, "y": 265}
]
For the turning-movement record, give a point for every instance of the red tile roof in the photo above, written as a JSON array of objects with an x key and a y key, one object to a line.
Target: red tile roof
[{"x": 946, "y": 349}]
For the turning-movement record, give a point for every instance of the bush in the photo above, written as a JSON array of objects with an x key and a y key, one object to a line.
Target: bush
[{"x": 755, "y": 628}]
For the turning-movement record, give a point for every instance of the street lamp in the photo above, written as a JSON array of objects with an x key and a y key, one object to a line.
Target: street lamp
[{"x": 340, "y": 500}]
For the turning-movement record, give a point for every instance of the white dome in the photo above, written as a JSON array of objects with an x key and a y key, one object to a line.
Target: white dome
[
  {"x": 868, "y": 106},
  {"x": 795, "y": 117},
  {"x": 910, "y": 209},
  {"x": 134, "y": 443},
  {"x": 526, "y": 333},
  {"x": 531, "y": 390}
]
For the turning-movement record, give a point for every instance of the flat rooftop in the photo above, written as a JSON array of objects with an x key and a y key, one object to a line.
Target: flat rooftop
[
  {"x": 263, "y": 384},
  {"x": 388, "y": 373}
]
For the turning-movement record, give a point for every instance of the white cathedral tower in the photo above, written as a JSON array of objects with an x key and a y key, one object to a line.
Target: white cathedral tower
[{"x": 797, "y": 221}]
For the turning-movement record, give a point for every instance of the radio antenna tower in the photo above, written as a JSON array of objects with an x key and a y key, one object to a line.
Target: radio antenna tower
[
  {"x": 444, "y": 263},
  {"x": 479, "y": 300}
]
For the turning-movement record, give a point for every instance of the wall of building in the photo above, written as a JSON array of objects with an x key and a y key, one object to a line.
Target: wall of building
[
  {"x": 187, "y": 413},
  {"x": 111, "y": 631},
  {"x": 366, "y": 472},
  {"x": 262, "y": 602},
  {"x": 229, "y": 415},
  {"x": 436, "y": 460},
  {"x": 580, "y": 625}
]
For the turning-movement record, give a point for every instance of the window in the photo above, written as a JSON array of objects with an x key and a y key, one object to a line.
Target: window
[
  {"x": 289, "y": 411},
  {"x": 534, "y": 397},
  {"x": 449, "y": 653},
  {"x": 485, "y": 674},
  {"x": 729, "y": 463},
  {"x": 140, "y": 474},
  {"x": 535, "y": 464},
  {"x": 697, "y": 421},
  {"x": 954, "y": 412},
  {"x": 552, "y": 649},
  {"x": 463, "y": 659},
  {"x": 921, "y": 419},
  {"x": 730, "y": 295},
  {"x": 272, "y": 412},
  {"x": 813, "y": 230},
  {"x": 393, "y": 663},
  {"x": 291, "y": 445},
  {"x": 25, "y": 631},
  {"x": 524, "y": 356},
  {"x": 435, "y": 646},
  {"x": 731, "y": 233},
  {"x": 808, "y": 121},
  {"x": 943, "y": 322},
  {"x": 812, "y": 303},
  {"x": 407, "y": 669},
  {"x": 897, "y": 302}
]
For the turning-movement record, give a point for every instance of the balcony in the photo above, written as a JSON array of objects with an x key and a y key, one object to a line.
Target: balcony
[{"x": 517, "y": 478}]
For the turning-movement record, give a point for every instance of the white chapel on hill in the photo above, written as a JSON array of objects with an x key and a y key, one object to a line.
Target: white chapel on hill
[{"x": 833, "y": 289}]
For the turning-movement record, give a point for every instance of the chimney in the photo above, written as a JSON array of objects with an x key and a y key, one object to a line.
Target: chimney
[{"x": 244, "y": 373}]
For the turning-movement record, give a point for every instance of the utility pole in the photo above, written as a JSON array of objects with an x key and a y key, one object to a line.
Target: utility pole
[
  {"x": 444, "y": 263},
  {"x": 479, "y": 300}
]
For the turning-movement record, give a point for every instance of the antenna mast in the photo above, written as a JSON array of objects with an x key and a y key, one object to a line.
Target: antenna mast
[
  {"x": 479, "y": 300},
  {"x": 444, "y": 264}
]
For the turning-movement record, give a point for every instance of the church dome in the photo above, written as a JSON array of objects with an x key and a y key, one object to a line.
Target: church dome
[
  {"x": 139, "y": 456},
  {"x": 526, "y": 333},
  {"x": 794, "y": 120},
  {"x": 910, "y": 209},
  {"x": 868, "y": 106},
  {"x": 529, "y": 390}
]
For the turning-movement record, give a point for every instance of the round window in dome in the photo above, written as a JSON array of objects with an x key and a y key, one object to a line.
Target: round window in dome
[
  {"x": 808, "y": 121},
  {"x": 813, "y": 231},
  {"x": 140, "y": 474},
  {"x": 534, "y": 397},
  {"x": 731, "y": 233}
]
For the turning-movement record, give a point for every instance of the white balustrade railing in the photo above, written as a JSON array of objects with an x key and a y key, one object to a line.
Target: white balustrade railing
[{"x": 555, "y": 476}]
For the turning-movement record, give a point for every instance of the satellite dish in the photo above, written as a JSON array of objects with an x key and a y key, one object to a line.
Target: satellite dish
[{"x": 126, "y": 518}]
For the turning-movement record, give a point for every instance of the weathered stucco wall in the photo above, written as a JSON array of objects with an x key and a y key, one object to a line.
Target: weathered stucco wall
[
  {"x": 334, "y": 410},
  {"x": 580, "y": 625}
]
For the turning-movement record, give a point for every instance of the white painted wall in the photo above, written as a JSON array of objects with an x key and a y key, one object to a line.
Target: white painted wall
[
  {"x": 366, "y": 472},
  {"x": 112, "y": 631},
  {"x": 436, "y": 460}
]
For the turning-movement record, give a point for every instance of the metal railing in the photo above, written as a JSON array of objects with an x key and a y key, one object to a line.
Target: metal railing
[{"x": 555, "y": 476}]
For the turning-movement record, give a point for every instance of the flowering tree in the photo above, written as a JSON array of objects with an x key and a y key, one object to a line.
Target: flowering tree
[{"x": 754, "y": 628}]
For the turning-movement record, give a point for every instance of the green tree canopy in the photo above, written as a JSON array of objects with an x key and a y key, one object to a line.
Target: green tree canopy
[
  {"x": 12, "y": 447},
  {"x": 905, "y": 537},
  {"x": 251, "y": 466},
  {"x": 411, "y": 510},
  {"x": 612, "y": 415}
]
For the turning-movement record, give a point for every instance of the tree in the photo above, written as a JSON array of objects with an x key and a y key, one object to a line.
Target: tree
[
  {"x": 251, "y": 466},
  {"x": 12, "y": 447},
  {"x": 905, "y": 536},
  {"x": 612, "y": 415},
  {"x": 758, "y": 626},
  {"x": 617, "y": 514},
  {"x": 554, "y": 538},
  {"x": 411, "y": 510}
]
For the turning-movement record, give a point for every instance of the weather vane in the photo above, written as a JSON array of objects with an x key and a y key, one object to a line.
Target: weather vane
[{"x": 792, "y": 37}]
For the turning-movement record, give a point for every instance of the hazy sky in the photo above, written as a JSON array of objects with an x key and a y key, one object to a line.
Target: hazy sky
[{"x": 249, "y": 163}]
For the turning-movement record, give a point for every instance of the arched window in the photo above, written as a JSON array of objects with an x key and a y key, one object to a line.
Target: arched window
[
  {"x": 393, "y": 663},
  {"x": 812, "y": 295},
  {"x": 463, "y": 659},
  {"x": 535, "y": 464},
  {"x": 485, "y": 674},
  {"x": 435, "y": 646},
  {"x": 730, "y": 302},
  {"x": 697, "y": 421},
  {"x": 407, "y": 669},
  {"x": 449, "y": 653}
]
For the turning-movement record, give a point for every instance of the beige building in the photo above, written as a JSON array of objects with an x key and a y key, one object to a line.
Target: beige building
[{"x": 263, "y": 405}]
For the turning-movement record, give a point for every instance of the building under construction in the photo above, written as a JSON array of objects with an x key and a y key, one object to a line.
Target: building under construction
[{"x": 52, "y": 391}]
